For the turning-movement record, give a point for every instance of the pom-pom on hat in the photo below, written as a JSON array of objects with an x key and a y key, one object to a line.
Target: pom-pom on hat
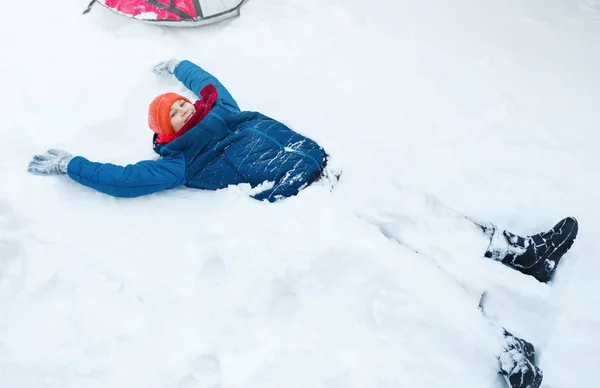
[{"x": 159, "y": 113}]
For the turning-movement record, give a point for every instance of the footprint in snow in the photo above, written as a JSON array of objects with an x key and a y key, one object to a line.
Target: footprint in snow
[
  {"x": 591, "y": 6},
  {"x": 205, "y": 373},
  {"x": 284, "y": 305},
  {"x": 12, "y": 270},
  {"x": 9, "y": 221},
  {"x": 213, "y": 272},
  {"x": 12, "y": 266}
]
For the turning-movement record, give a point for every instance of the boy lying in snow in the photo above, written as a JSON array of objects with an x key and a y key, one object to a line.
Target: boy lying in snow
[{"x": 211, "y": 144}]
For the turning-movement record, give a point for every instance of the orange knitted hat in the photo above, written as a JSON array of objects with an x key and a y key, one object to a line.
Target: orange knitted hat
[{"x": 159, "y": 118}]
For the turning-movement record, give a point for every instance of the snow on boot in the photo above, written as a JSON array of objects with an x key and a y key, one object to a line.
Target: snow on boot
[
  {"x": 536, "y": 255},
  {"x": 517, "y": 363}
]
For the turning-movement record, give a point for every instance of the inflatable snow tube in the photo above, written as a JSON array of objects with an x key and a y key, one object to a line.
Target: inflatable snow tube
[{"x": 188, "y": 13}]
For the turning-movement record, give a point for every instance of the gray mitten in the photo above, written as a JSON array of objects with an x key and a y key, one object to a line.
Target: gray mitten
[
  {"x": 166, "y": 67},
  {"x": 55, "y": 162}
]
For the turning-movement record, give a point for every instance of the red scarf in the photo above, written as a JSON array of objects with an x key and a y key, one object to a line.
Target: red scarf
[{"x": 208, "y": 99}]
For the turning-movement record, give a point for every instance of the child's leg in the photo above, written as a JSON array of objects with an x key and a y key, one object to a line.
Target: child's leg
[
  {"x": 456, "y": 243},
  {"x": 458, "y": 246},
  {"x": 446, "y": 238}
]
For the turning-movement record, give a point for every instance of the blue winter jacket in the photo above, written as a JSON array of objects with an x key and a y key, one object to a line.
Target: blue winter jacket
[{"x": 227, "y": 147}]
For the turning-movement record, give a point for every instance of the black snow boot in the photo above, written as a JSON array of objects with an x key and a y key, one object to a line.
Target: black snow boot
[
  {"x": 536, "y": 255},
  {"x": 517, "y": 363}
]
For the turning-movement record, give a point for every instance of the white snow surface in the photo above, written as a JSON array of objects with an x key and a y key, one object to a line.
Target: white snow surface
[{"x": 434, "y": 110}]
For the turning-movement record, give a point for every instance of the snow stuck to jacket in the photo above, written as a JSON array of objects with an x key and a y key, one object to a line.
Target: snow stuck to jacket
[{"x": 434, "y": 111}]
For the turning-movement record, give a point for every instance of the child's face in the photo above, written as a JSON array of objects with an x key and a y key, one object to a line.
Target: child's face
[{"x": 181, "y": 111}]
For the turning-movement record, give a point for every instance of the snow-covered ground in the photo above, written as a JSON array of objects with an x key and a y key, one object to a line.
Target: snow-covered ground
[{"x": 433, "y": 110}]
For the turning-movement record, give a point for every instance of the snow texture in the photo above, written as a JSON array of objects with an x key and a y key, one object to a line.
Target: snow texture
[{"x": 436, "y": 112}]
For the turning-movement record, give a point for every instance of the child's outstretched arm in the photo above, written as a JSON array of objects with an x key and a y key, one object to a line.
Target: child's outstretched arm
[
  {"x": 134, "y": 180},
  {"x": 195, "y": 78}
]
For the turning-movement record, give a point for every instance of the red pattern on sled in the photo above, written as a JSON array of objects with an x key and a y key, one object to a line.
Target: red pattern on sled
[{"x": 137, "y": 7}]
